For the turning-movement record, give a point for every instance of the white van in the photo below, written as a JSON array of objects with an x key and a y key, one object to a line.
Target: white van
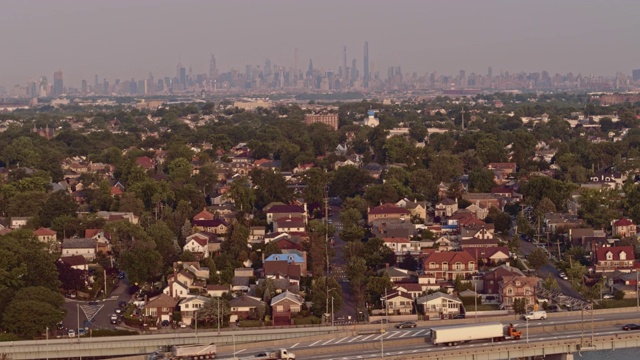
[{"x": 535, "y": 315}]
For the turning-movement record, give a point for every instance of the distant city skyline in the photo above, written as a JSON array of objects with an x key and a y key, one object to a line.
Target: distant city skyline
[{"x": 122, "y": 39}]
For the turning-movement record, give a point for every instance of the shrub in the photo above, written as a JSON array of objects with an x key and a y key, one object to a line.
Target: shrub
[{"x": 310, "y": 320}]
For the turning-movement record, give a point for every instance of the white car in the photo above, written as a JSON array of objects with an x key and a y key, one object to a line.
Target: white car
[
  {"x": 71, "y": 333},
  {"x": 607, "y": 296}
]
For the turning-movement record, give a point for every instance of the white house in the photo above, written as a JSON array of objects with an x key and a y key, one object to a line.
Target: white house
[
  {"x": 197, "y": 245},
  {"x": 177, "y": 290},
  {"x": 84, "y": 247},
  {"x": 189, "y": 306},
  {"x": 439, "y": 304}
]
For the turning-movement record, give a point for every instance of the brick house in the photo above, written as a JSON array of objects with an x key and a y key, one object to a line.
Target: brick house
[
  {"x": 284, "y": 305},
  {"x": 245, "y": 307},
  {"x": 518, "y": 287},
  {"x": 623, "y": 228},
  {"x": 387, "y": 211},
  {"x": 449, "y": 265},
  {"x": 160, "y": 307},
  {"x": 493, "y": 277},
  {"x": 608, "y": 259},
  {"x": 279, "y": 211}
]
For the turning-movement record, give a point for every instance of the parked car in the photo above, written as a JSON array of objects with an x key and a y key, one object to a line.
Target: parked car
[
  {"x": 71, "y": 333},
  {"x": 459, "y": 316},
  {"x": 631, "y": 327},
  {"x": 114, "y": 319},
  {"x": 165, "y": 323},
  {"x": 406, "y": 324},
  {"x": 122, "y": 303},
  {"x": 607, "y": 296},
  {"x": 121, "y": 275},
  {"x": 118, "y": 310}
]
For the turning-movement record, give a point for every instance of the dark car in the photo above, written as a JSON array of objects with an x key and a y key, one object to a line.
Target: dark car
[
  {"x": 406, "y": 324},
  {"x": 381, "y": 321},
  {"x": 631, "y": 327},
  {"x": 121, "y": 275},
  {"x": 122, "y": 303},
  {"x": 459, "y": 316},
  {"x": 165, "y": 323}
]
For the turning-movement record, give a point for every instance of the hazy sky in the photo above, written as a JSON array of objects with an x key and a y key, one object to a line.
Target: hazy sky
[{"x": 130, "y": 38}]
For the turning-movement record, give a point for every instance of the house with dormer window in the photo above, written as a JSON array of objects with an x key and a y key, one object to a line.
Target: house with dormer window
[
  {"x": 623, "y": 228},
  {"x": 609, "y": 259},
  {"x": 518, "y": 287},
  {"x": 450, "y": 264}
]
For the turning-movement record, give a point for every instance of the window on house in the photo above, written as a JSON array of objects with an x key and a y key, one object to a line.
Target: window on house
[
  {"x": 509, "y": 291},
  {"x": 445, "y": 266},
  {"x": 623, "y": 255},
  {"x": 472, "y": 265},
  {"x": 433, "y": 265},
  {"x": 609, "y": 256},
  {"x": 279, "y": 308}
]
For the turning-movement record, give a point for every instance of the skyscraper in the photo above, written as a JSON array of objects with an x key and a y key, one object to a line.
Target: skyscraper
[
  {"x": 213, "y": 70},
  {"x": 58, "y": 86},
  {"x": 345, "y": 73},
  {"x": 365, "y": 76}
]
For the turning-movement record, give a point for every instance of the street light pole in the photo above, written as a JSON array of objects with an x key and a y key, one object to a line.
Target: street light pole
[
  {"x": 196, "y": 313},
  {"x": 527, "y": 321},
  {"x": 218, "y": 301},
  {"x": 331, "y": 311},
  {"x": 47, "y": 352},
  {"x": 475, "y": 298},
  {"x": 637, "y": 298}
]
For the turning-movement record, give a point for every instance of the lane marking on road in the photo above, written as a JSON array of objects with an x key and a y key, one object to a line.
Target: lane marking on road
[
  {"x": 414, "y": 351},
  {"x": 341, "y": 340},
  {"x": 392, "y": 334},
  {"x": 315, "y": 342},
  {"x": 407, "y": 333},
  {"x": 379, "y": 336},
  {"x": 294, "y": 345},
  {"x": 239, "y": 351},
  {"x": 328, "y": 341},
  {"x": 354, "y": 339},
  {"x": 367, "y": 337},
  {"x": 418, "y": 333},
  {"x": 400, "y": 352}
]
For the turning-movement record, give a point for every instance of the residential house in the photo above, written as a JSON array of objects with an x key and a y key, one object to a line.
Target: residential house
[
  {"x": 203, "y": 215},
  {"x": 414, "y": 289},
  {"x": 418, "y": 209},
  {"x": 217, "y": 290},
  {"x": 289, "y": 225},
  {"x": 294, "y": 260},
  {"x": 449, "y": 265},
  {"x": 555, "y": 222},
  {"x": 198, "y": 245},
  {"x": 396, "y": 274},
  {"x": 78, "y": 246},
  {"x": 193, "y": 267},
  {"x": 623, "y": 228},
  {"x": 117, "y": 216},
  {"x": 502, "y": 171},
  {"x": 18, "y": 222},
  {"x": 284, "y": 305},
  {"x": 485, "y": 200},
  {"x": 492, "y": 278},
  {"x": 446, "y": 207},
  {"x": 245, "y": 307},
  {"x": 45, "y": 235},
  {"x": 399, "y": 245},
  {"x": 77, "y": 262},
  {"x": 161, "y": 307},
  {"x": 398, "y": 303},
  {"x": 493, "y": 255},
  {"x": 623, "y": 281},
  {"x": 189, "y": 306},
  {"x": 580, "y": 236},
  {"x": 145, "y": 162},
  {"x": 387, "y": 211},
  {"x": 439, "y": 305},
  {"x": 518, "y": 287},
  {"x": 277, "y": 211},
  {"x": 241, "y": 279},
  {"x": 257, "y": 234},
  {"x": 609, "y": 259},
  {"x": 214, "y": 226}
]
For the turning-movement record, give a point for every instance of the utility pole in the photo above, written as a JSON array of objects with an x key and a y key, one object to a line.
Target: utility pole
[
  {"x": 104, "y": 273},
  {"x": 331, "y": 311},
  {"x": 218, "y": 315},
  {"x": 196, "y": 313},
  {"x": 47, "y": 354}
]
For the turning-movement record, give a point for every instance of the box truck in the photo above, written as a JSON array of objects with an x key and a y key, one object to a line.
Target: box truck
[
  {"x": 192, "y": 352},
  {"x": 455, "y": 334}
]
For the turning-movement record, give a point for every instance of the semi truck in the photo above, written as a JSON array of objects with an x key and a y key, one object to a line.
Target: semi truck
[
  {"x": 455, "y": 334},
  {"x": 193, "y": 352},
  {"x": 280, "y": 354}
]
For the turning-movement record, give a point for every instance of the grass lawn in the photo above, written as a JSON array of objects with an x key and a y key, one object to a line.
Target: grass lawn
[
  {"x": 483, "y": 307},
  {"x": 611, "y": 303}
]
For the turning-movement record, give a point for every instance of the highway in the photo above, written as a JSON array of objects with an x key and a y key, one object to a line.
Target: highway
[{"x": 407, "y": 341}]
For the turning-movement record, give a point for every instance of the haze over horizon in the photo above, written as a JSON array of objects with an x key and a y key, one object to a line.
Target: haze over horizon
[{"x": 124, "y": 39}]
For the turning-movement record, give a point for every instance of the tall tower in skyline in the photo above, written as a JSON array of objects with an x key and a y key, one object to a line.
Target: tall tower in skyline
[
  {"x": 345, "y": 73},
  {"x": 58, "y": 85},
  {"x": 295, "y": 65},
  {"x": 213, "y": 70},
  {"x": 365, "y": 76}
]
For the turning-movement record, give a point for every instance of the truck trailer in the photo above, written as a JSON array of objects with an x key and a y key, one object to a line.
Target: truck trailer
[
  {"x": 455, "y": 334},
  {"x": 193, "y": 352}
]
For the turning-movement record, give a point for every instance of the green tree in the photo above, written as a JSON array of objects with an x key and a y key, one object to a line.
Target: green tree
[
  {"x": 538, "y": 258},
  {"x": 141, "y": 261},
  {"x": 214, "y": 310},
  {"x": 322, "y": 291},
  {"x": 242, "y": 195},
  {"x": 349, "y": 181},
  {"x": 29, "y": 318},
  {"x": 58, "y": 204},
  {"x": 481, "y": 180}
]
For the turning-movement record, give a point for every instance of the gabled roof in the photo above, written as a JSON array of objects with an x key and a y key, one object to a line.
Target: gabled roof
[
  {"x": 287, "y": 295},
  {"x": 196, "y": 298},
  {"x": 295, "y": 222},
  {"x": 210, "y": 223},
  {"x": 601, "y": 252},
  {"x": 487, "y": 252},
  {"x": 449, "y": 257},
  {"x": 199, "y": 239},
  {"x": 290, "y": 258},
  {"x": 145, "y": 162},
  {"x": 523, "y": 280},
  {"x": 245, "y": 301},
  {"x": 283, "y": 209},
  {"x": 42, "y": 231},
  {"x": 74, "y": 260},
  {"x": 203, "y": 215},
  {"x": 76, "y": 243},
  {"x": 447, "y": 201},
  {"x": 437, "y": 295},
  {"x": 163, "y": 300},
  {"x": 623, "y": 222},
  {"x": 388, "y": 208}
]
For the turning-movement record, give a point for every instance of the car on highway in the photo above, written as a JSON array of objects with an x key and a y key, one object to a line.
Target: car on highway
[
  {"x": 406, "y": 324},
  {"x": 459, "y": 316},
  {"x": 381, "y": 321},
  {"x": 631, "y": 327},
  {"x": 71, "y": 333}
]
